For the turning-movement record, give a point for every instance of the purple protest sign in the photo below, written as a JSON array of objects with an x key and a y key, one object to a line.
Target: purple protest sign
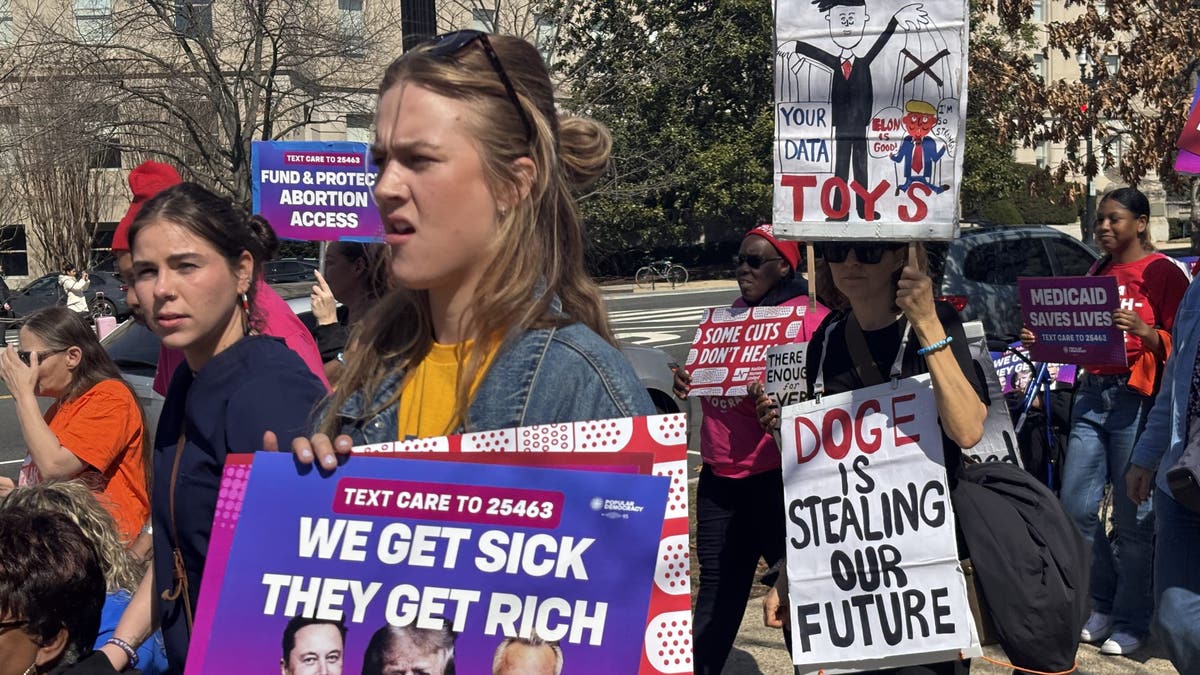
[
  {"x": 1071, "y": 317},
  {"x": 315, "y": 191},
  {"x": 439, "y": 555},
  {"x": 1187, "y": 161}
]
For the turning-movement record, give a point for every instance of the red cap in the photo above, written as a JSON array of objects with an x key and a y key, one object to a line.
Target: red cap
[
  {"x": 146, "y": 180},
  {"x": 790, "y": 250}
]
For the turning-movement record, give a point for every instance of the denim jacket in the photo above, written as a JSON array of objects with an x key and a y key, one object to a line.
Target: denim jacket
[
  {"x": 542, "y": 376},
  {"x": 1162, "y": 442}
]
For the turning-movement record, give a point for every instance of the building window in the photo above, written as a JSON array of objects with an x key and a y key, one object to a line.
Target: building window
[
  {"x": 193, "y": 18},
  {"x": 1039, "y": 67},
  {"x": 358, "y": 128},
  {"x": 1041, "y": 154},
  {"x": 93, "y": 20},
  {"x": 1115, "y": 145},
  {"x": 545, "y": 34},
  {"x": 106, "y": 148},
  {"x": 7, "y": 36},
  {"x": 1111, "y": 63},
  {"x": 1102, "y": 7},
  {"x": 353, "y": 26},
  {"x": 13, "y": 254},
  {"x": 1039, "y": 10},
  {"x": 483, "y": 19}
]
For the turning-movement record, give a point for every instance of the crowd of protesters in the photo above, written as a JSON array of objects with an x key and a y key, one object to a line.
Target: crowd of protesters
[{"x": 481, "y": 284}]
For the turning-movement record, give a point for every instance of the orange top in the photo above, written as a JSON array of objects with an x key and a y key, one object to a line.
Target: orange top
[{"x": 104, "y": 429}]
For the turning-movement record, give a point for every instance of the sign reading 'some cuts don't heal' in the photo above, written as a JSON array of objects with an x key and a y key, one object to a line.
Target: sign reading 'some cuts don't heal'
[{"x": 315, "y": 191}]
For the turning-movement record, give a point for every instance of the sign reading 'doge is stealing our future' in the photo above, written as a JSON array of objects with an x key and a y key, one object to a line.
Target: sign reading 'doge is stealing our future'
[
  {"x": 315, "y": 191},
  {"x": 872, "y": 561}
]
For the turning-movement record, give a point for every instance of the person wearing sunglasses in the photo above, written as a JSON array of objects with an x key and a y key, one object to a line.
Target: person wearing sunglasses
[
  {"x": 901, "y": 331},
  {"x": 739, "y": 499},
  {"x": 94, "y": 431},
  {"x": 495, "y": 323}
]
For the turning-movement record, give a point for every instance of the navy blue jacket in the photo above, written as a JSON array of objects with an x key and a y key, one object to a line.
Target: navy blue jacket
[{"x": 258, "y": 384}]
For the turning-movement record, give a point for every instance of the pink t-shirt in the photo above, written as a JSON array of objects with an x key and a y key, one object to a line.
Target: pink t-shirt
[
  {"x": 279, "y": 321},
  {"x": 731, "y": 441}
]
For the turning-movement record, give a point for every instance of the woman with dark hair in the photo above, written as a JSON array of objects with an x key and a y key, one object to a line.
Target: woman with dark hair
[
  {"x": 739, "y": 502},
  {"x": 195, "y": 260},
  {"x": 51, "y": 594},
  {"x": 122, "y": 571},
  {"x": 94, "y": 431},
  {"x": 495, "y": 323},
  {"x": 1111, "y": 404},
  {"x": 356, "y": 275}
]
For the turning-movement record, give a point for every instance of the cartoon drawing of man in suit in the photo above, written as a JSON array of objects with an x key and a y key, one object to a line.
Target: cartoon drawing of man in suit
[
  {"x": 852, "y": 91},
  {"x": 919, "y": 153}
]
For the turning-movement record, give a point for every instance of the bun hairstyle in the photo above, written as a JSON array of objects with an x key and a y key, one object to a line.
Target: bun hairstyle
[
  {"x": 540, "y": 236},
  {"x": 216, "y": 220}
]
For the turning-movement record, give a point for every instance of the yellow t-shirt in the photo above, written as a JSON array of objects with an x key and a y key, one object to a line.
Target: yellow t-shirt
[{"x": 427, "y": 400}]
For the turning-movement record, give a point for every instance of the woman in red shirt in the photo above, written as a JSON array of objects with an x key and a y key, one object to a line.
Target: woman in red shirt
[
  {"x": 1109, "y": 413},
  {"x": 94, "y": 430}
]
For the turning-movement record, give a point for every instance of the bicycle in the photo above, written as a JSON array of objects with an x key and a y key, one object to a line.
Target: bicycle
[{"x": 661, "y": 270}]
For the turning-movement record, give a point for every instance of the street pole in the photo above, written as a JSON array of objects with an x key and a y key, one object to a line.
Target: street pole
[{"x": 1089, "y": 213}]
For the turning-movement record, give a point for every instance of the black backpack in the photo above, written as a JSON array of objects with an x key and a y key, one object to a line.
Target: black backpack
[{"x": 1031, "y": 564}]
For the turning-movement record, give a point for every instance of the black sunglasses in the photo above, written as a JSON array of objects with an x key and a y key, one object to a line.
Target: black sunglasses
[
  {"x": 754, "y": 261},
  {"x": 24, "y": 356},
  {"x": 449, "y": 44},
  {"x": 867, "y": 254}
]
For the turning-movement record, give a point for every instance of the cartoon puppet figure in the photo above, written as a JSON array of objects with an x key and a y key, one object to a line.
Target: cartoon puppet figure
[
  {"x": 852, "y": 93},
  {"x": 919, "y": 152}
]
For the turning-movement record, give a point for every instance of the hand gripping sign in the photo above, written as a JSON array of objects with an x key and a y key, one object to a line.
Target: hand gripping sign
[
  {"x": 731, "y": 343},
  {"x": 590, "y": 448},
  {"x": 873, "y": 573}
]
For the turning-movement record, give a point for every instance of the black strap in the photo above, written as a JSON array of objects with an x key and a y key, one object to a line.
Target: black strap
[
  {"x": 864, "y": 364},
  {"x": 180, "y": 586}
]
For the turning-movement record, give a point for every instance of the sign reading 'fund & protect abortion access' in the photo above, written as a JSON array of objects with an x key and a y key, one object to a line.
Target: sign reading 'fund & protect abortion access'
[
  {"x": 872, "y": 561},
  {"x": 315, "y": 191}
]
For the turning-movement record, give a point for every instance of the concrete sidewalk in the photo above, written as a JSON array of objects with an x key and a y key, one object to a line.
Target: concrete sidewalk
[{"x": 759, "y": 649}]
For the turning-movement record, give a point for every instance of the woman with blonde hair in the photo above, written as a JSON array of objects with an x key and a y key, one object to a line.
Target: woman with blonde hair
[
  {"x": 495, "y": 323},
  {"x": 122, "y": 571}
]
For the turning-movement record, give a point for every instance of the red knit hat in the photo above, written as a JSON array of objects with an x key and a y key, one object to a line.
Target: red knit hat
[
  {"x": 146, "y": 180},
  {"x": 790, "y": 250}
]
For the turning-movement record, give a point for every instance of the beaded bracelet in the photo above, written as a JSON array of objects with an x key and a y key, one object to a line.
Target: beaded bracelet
[
  {"x": 940, "y": 344},
  {"x": 124, "y": 646}
]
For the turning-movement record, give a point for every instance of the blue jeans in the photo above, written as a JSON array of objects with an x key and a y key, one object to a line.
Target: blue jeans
[
  {"x": 1177, "y": 580},
  {"x": 1105, "y": 423}
]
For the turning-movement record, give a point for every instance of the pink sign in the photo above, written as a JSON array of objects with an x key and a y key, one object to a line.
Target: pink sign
[{"x": 731, "y": 343}]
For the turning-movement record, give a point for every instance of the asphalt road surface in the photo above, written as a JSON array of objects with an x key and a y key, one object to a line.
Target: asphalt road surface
[{"x": 665, "y": 321}]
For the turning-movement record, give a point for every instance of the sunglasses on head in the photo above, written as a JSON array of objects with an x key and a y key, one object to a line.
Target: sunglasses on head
[
  {"x": 867, "y": 254},
  {"x": 25, "y": 355},
  {"x": 449, "y": 44},
  {"x": 754, "y": 261}
]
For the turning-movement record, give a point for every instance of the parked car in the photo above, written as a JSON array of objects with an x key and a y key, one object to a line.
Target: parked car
[
  {"x": 289, "y": 270},
  {"x": 977, "y": 272},
  {"x": 135, "y": 348},
  {"x": 105, "y": 296}
]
